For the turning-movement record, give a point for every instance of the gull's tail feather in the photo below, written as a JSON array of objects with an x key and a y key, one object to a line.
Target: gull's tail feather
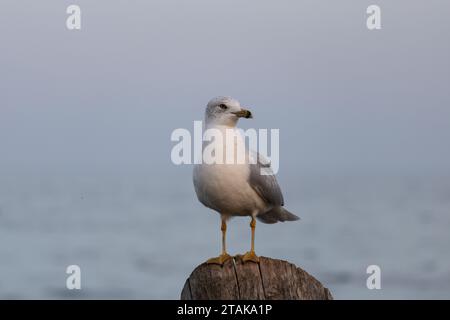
[{"x": 277, "y": 214}]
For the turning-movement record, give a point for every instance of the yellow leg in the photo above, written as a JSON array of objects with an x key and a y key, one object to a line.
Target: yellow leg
[
  {"x": 220, "y": 260},
  {"x": 251, "y": 255},
  {"x": 223, "y": 228}
]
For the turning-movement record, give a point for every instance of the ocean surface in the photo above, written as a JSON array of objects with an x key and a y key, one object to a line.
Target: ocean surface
[{"x": 135, "y": 236}]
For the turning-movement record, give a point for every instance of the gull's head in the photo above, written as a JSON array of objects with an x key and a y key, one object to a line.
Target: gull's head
[{"x": 225, "y": 111}]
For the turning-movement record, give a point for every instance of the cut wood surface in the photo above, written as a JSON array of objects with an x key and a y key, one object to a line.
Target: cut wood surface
[{"x": 271, "y": 279}]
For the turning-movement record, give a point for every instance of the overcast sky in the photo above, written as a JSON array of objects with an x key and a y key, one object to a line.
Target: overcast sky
[{"x": 108, "y": 96}]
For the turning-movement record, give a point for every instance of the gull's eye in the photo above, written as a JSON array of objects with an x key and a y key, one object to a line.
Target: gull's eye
[{"x": 223, "y": 106}]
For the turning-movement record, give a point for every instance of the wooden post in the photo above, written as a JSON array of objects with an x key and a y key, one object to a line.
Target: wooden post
[{"x": 271, "y": 279}]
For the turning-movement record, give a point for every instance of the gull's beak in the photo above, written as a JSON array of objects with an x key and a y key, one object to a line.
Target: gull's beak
[{"x": 243, "y": 113}]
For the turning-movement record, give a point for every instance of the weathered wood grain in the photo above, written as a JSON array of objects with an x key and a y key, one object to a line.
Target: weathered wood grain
[{"x": 271, "y": 279}]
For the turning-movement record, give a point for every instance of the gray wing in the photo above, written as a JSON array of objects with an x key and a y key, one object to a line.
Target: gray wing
[{"x": 265, "y": 185}]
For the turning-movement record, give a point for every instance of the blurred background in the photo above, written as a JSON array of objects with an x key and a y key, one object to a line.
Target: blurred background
[{"x": 86, "y": 117}]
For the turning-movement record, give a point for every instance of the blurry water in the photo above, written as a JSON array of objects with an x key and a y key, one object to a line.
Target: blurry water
[{"x": 135, "y": 237}]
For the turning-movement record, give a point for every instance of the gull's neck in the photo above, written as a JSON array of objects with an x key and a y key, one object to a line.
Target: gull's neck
[{"x": 211, "y": 124}]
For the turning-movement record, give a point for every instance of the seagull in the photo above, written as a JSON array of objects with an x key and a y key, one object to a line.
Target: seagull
[{"x": 237, "y": 188}]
